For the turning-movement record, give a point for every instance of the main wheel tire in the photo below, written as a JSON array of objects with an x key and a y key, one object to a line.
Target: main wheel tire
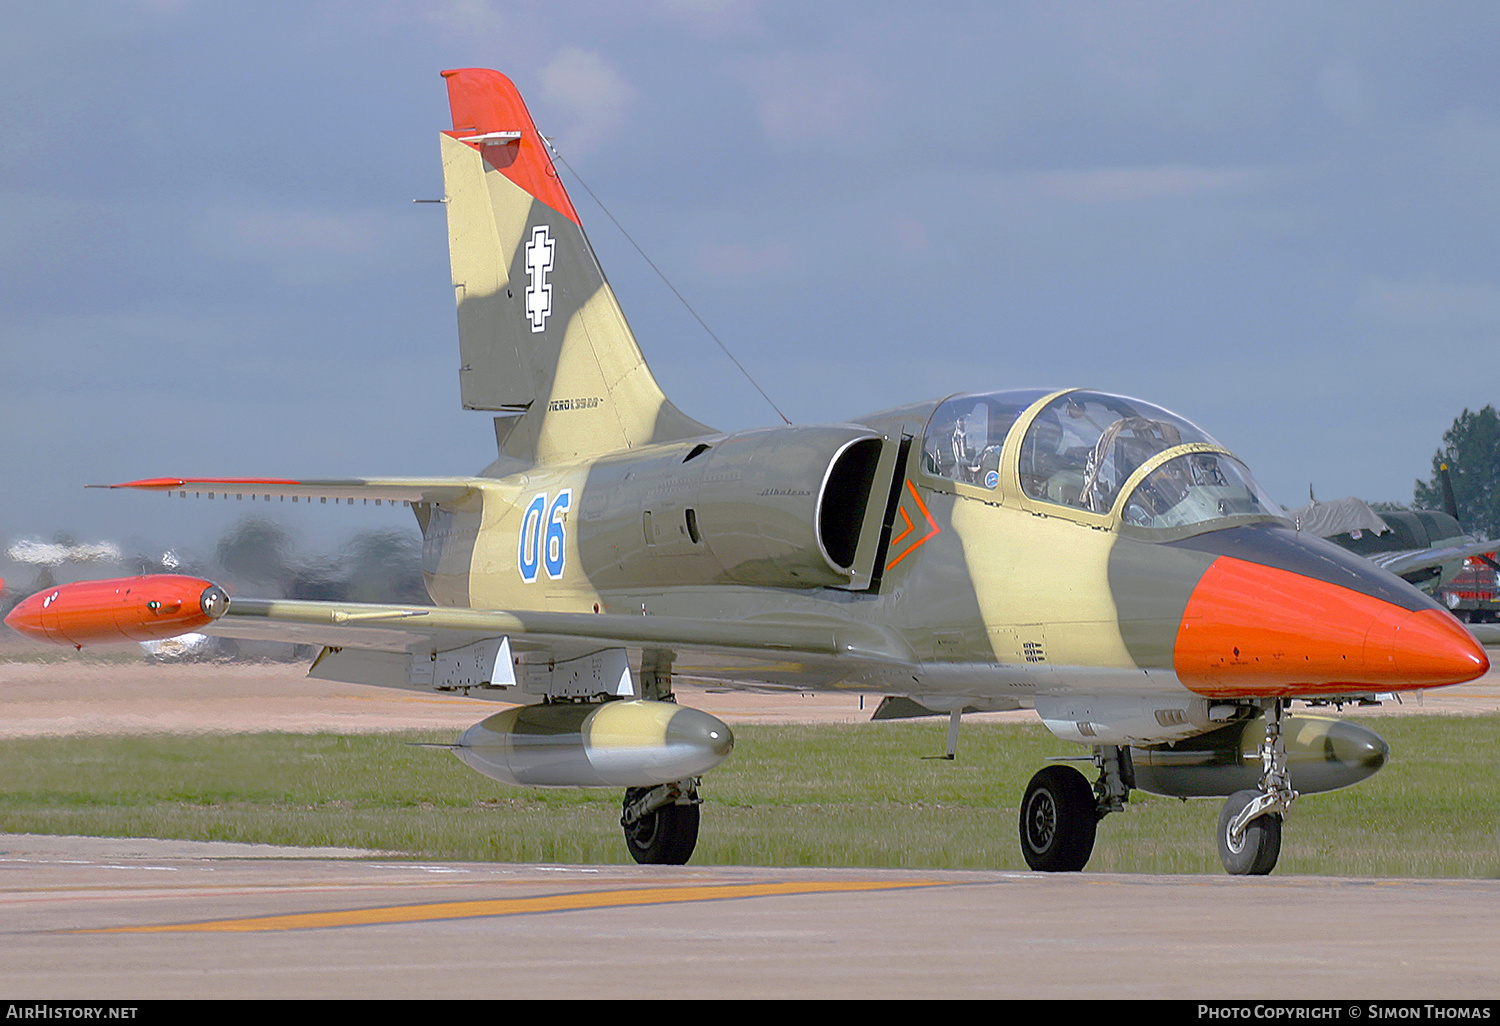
[
  {"x": 1257, "y": 850},
  {"x": 665, "y": 837},
  {"x": 1059, "y": 819}
]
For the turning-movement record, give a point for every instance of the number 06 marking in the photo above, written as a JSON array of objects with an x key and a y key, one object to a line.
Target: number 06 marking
[{"x": 544, "y": 537}]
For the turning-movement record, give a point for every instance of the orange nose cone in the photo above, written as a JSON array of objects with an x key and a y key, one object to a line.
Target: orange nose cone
[
  {"x": 26, "y": 618},
  {"x": 1428, "y": 646},
  {"x": 1251, "y": 630}
]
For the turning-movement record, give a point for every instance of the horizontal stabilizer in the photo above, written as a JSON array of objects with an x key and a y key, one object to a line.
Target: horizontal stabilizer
[{"x": 408, "y": 490}]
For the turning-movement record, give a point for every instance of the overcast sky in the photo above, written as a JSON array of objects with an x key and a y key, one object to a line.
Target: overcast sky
[{"x": 1277, "y": 219}]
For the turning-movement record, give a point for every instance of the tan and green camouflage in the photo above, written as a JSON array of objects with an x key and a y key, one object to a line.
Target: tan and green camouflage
[{"x": 1090, "y": 556}]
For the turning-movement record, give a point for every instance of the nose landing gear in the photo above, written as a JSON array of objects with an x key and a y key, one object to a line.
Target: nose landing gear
[
  {"x": 1060, "y": 810},
  {"x": 1249, "y": 832}
]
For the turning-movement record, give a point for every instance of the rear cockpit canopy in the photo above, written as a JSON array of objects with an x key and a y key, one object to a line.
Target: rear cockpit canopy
[
  {"x": 1082, "y": 451},
  {"x": 966, "y": 435}
]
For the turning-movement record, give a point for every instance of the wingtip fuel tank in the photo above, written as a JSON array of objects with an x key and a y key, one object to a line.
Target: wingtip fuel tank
[{"x": 121, "y": 609}]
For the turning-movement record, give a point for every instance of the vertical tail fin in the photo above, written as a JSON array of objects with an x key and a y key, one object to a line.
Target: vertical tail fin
[{"x": 540, "y": 333}]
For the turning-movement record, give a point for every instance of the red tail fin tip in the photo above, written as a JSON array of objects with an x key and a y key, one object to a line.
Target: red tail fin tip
[{"x": 489, "y": 114}]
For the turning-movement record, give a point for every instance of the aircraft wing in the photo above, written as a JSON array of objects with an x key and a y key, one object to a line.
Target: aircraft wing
[
  {"x": 432, "y": 648},
  {"x": 379, "y": 644},
  {"x": 1400, "y": 563},
  {"x": 456, "y": 648},
  {"x": 396, "y": 628},
  {"x": 1485, "y": 633}
]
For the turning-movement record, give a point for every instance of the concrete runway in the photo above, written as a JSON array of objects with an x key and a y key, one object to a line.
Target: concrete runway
[{"x": 93, "y": 918}]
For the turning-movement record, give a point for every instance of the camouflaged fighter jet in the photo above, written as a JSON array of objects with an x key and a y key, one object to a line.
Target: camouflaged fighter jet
[{"x": 1093, "y": 557}]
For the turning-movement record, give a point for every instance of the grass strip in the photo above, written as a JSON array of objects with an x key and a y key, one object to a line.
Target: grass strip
[{"x": 801, "y": 795}]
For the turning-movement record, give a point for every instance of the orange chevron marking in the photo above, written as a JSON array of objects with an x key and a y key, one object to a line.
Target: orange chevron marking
[{"x": 932, "y": 526}]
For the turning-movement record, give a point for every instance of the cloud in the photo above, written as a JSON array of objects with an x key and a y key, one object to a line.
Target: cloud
[
  {"x": 1342, "y": 92},
  {"x": 303, "y": 231},
  {"x": 583, "y": 85},
  {"x": 298, "y": 245},
  {"x": 1122, "y": 184},
  {"x": 472, "y": 21},
  {"x": 46, "y": 229},
  {"x": 911, "y": 234},
  {"x": 737, "y": 260},
  {"x": 1432, "y": 307},
  {"x": 711, "y": 20},
  {"x": 812, "y": 98}
]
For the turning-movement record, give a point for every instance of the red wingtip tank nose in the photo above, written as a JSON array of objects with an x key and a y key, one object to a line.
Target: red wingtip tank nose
[
  {"x": 120, "y": 609},
  {"x": 1253, "y": 630}
]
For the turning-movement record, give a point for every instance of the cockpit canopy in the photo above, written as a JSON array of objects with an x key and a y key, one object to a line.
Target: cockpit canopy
[
  {"x": 1081, "y": 449},
  {"x": 967, "y": 433}
]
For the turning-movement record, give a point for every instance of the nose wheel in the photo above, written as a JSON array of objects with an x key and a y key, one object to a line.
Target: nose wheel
[
  {"x": 1250, "y": 823},
  {"x": 1253, "y": 849}
]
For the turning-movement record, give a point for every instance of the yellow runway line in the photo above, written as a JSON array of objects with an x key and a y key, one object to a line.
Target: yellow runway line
[{"x": 509, "y": 907}]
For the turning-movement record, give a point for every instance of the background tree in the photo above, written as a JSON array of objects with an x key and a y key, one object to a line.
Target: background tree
[{"x": 1471, "y": 449}]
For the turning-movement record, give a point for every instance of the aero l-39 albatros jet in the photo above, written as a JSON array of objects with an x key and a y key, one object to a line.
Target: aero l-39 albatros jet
[{"x": 1093, "y": 557}]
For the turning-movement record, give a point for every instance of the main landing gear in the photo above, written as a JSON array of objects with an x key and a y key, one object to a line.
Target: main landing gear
[
  {"x": 1059, "y": 818},
  {"x": 661, "y": 823},
  {"x": 1060, "y": 811}
]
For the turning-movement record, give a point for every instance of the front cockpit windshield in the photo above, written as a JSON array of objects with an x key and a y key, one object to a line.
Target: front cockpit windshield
[
  {"x": 1082, "y": 448},
  {"x": 1195, "y": 488}
]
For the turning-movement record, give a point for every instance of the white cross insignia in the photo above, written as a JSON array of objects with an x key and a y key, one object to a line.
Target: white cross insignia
[{"x": 539, "y": 254}]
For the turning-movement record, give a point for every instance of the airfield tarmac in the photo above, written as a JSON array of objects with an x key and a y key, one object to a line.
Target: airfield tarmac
[
  {"x": 121, "y": 920},
  {"x": 86, "y": 918},
  {"x": 40, "y": 699}
]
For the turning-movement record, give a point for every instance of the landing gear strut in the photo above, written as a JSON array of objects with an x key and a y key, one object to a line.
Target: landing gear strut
[
  {"x": 660, "y": 823},
  {"x": 1250, "y": 823}
]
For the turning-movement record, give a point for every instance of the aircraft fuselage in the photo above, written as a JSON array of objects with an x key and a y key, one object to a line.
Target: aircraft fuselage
[{"x": 990, "y": 594}]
